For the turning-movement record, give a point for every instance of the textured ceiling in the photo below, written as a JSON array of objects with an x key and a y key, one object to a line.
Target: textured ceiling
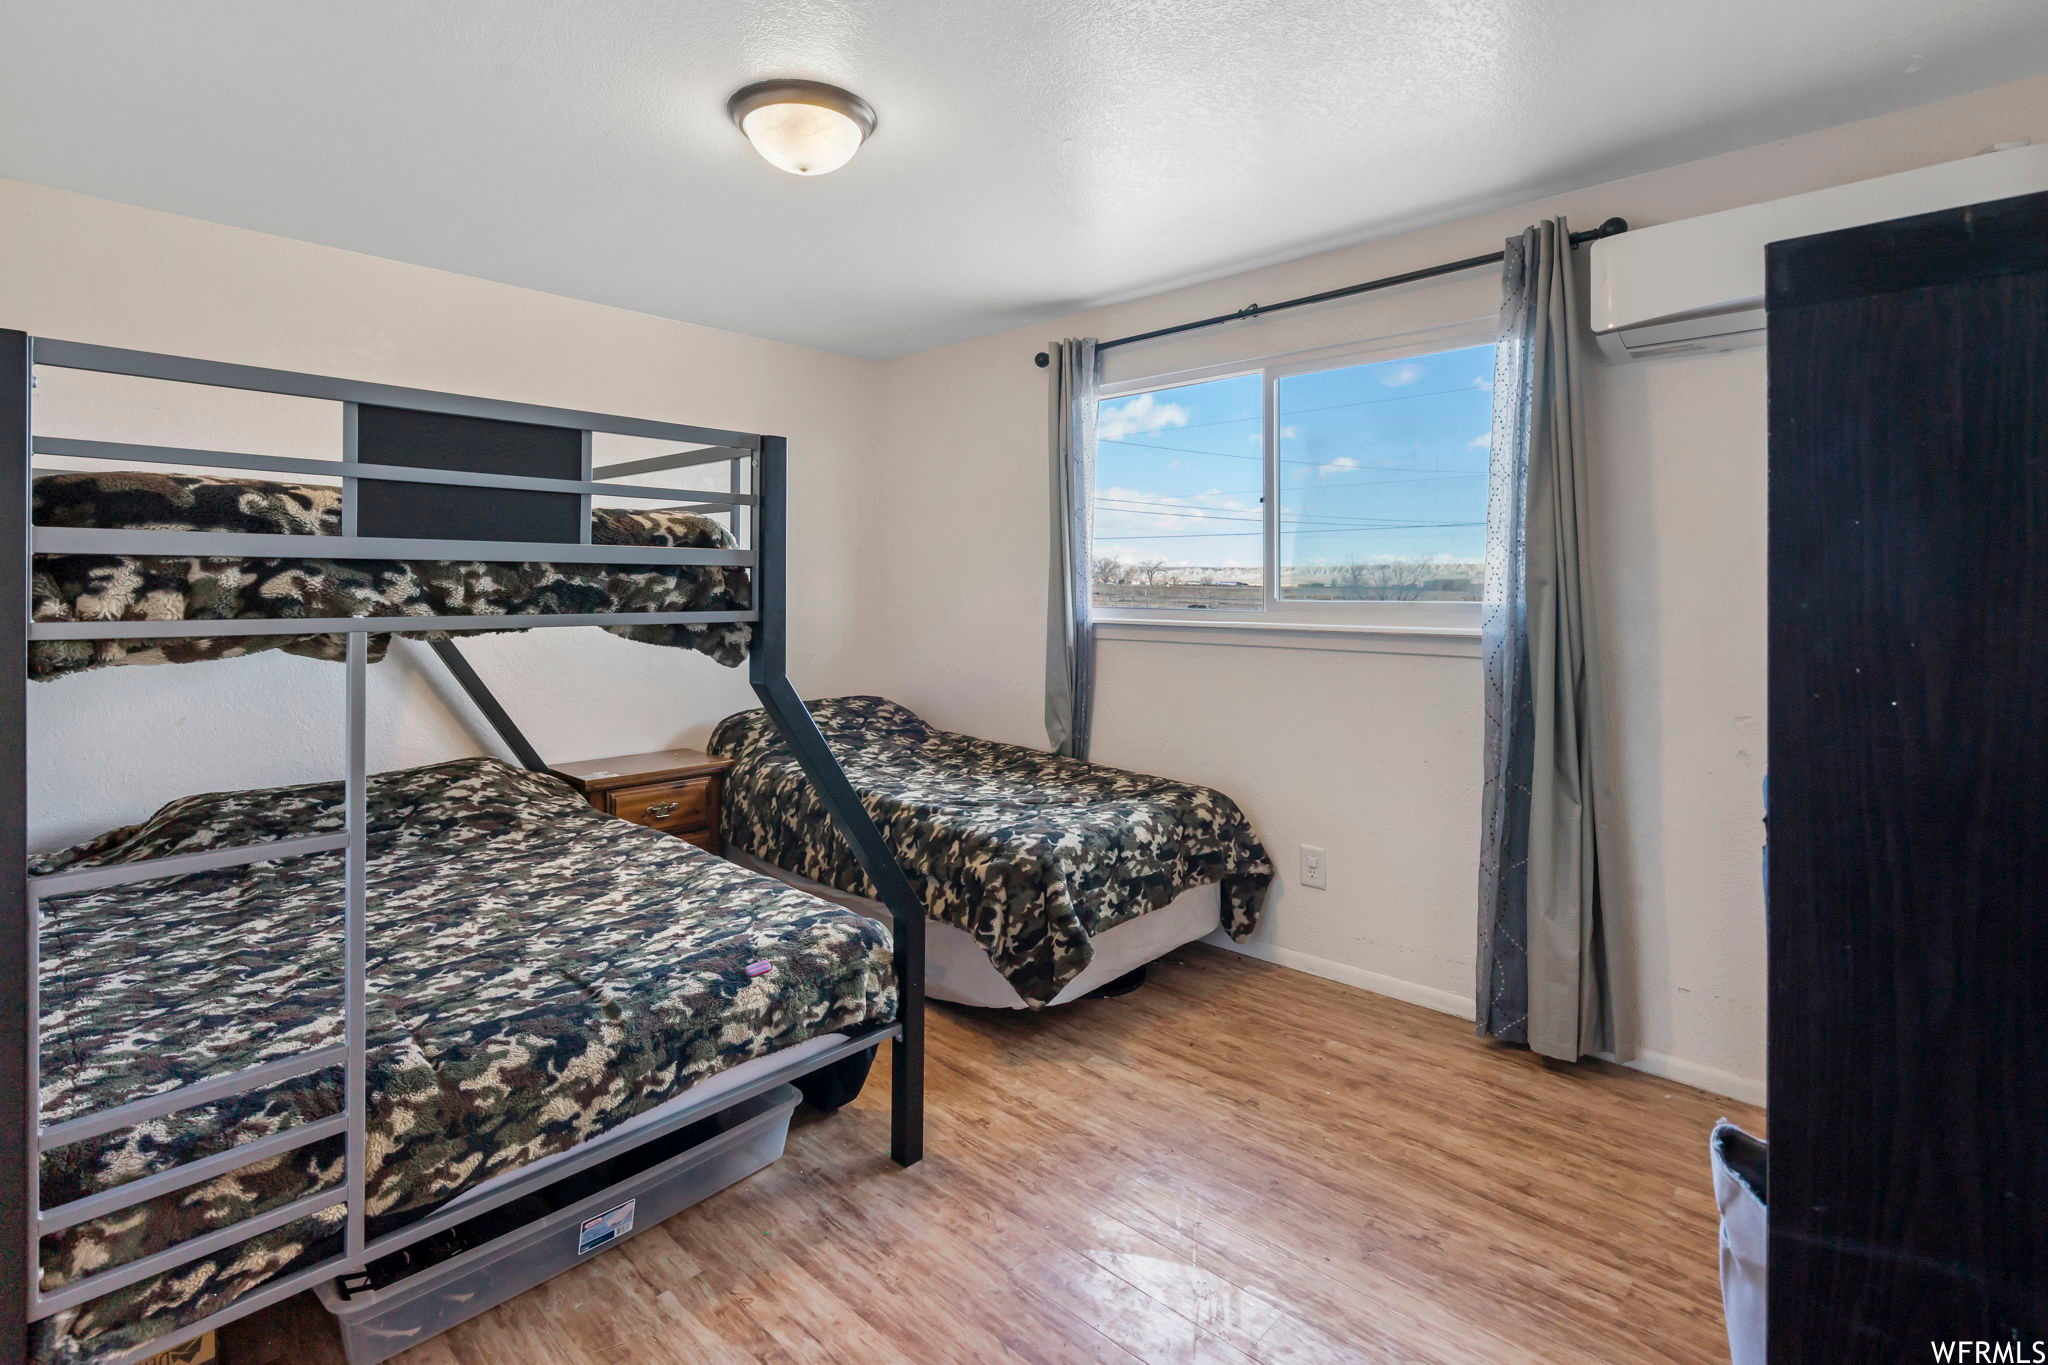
[{"x": 1034, "y": 156}]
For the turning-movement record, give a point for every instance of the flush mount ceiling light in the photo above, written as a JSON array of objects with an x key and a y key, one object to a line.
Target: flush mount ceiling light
[{"x": 803, "y": 127}]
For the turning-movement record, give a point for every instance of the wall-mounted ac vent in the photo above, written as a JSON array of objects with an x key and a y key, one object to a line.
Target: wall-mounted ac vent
[{"x": 1698, "y": 284}]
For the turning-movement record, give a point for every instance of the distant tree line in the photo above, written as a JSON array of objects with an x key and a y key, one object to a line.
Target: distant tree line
[
  {"x": 1128, "y": 573},
  {"x": 1377, "y": 580},
  {"x": 1385, "y": 580}
]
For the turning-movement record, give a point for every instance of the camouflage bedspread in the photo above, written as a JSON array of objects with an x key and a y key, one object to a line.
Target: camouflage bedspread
[
  {"x": 191, "y": 588},
  {"x": 539, "y": 973},
  {"x": 1029, "y": 852}
]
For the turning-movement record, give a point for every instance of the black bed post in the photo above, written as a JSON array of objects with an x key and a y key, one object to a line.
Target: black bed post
[
  {"x": 17, "y": 955},
  {"x": 486, "y": 702},
  {"x": 770, "y": 663}
]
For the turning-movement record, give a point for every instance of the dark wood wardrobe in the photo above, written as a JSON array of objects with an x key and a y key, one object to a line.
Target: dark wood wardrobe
[{"x": 1909, "y": 787}]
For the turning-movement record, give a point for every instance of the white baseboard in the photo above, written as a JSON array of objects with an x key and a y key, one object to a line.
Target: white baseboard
[
  {"x": 1429, "y": 997},
  {"x": 1713, "y": 1080}
]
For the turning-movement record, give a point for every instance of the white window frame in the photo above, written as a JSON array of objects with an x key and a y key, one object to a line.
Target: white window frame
[{"x": 1277, "y": 612}]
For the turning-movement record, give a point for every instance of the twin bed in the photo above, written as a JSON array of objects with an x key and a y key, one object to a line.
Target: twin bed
[
  {"x": 1045, "y": 879},
  {"x": 523, "y": 979}
]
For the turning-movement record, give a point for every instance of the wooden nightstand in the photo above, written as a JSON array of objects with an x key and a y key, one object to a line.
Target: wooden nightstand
[{"x": 676, "y": 791}]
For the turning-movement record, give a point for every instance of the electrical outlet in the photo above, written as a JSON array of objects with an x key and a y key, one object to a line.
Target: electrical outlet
[{"x": 1315, "y": 869}]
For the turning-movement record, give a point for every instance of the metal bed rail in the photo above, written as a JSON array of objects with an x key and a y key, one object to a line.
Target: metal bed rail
[
  {"x": 24, "y": 1138},
  {"x": 516, "y": 1186},
  {"x": 63, "y": 540},
  {"x": 77, "y": 355},
  {"x": 129, "y": 453},
  {"x": 334, "y": 625}
]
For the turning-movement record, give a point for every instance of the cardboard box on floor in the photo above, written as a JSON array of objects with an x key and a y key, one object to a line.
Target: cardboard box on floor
[{"x": 199, "y": 1351}]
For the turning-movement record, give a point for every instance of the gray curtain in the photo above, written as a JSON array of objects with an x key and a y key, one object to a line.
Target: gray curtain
[
  {"x": 1544, "y": 976},
  {"x": 1069, "y": 637}
]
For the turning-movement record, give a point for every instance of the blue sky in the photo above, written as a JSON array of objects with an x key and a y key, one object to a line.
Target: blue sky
[{"x": 1378, "y": 461}]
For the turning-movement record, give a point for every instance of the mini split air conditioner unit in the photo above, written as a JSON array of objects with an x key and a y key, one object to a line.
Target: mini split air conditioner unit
[{"x": 1698, "y": 285}]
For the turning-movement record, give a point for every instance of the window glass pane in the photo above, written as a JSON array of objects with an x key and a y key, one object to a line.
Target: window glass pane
[
  {"x": 1383, "y": 479},
  {"x": 1178, "y": 474}
]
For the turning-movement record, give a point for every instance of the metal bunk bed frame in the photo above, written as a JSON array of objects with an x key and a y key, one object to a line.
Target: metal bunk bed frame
[{"x": 23, "y": 1136}]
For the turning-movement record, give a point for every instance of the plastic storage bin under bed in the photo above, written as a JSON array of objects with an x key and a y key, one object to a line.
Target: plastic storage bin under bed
[{"x": 401, "y": 1300}]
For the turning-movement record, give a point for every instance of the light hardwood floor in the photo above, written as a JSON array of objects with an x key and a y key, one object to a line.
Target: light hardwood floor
[{"x": 1236, "y": 1163}]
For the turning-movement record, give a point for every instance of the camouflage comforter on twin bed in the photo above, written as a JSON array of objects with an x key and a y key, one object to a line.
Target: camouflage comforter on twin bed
[
  {"x": 539, "y": 973},
  {"x": 1031, "y": 853}
]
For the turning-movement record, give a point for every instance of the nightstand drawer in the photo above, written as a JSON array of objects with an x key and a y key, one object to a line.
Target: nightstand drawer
[
  {"x": 673, "y": 790},
  {"x": 673, "y": 806}
]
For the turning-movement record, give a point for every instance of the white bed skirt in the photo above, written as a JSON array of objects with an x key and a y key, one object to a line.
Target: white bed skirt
[{"x": 957, "y": 968}]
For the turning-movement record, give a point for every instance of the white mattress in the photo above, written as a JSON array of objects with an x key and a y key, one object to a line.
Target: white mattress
[{"x": 957, "y": 968}]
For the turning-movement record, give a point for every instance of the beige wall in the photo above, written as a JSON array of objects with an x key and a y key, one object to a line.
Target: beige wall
[
  {"x": 1376, "y": 755},
  {"x": 111, "y": 746}
]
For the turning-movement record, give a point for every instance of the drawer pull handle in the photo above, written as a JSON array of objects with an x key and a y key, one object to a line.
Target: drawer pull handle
[{"x": 661, "y": 810}]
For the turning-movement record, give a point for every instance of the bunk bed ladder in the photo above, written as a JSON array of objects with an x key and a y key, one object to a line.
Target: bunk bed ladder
[{"x": 350, "y": 1054}]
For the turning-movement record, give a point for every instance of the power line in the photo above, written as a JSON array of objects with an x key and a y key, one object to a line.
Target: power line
[
  {"x": 1185, "y": 450},
  {"x": 1324, "y": 531},
  {"x": 1190, "y": 426},
  {"x": 1285, "y": 413},
  {"x": 1239, "y": 455},
  {"x": 1130, "y": 508},
  {"x": 1303, "y": 412},
  {"x": 1421, "y": 476},
  {"x": 1323, "y": 484},
  {"x": 1319, "y": 464},
  {"x": 1133, "y": 508}
]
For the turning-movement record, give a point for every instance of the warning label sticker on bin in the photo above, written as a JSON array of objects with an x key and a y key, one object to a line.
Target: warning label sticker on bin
[{"x": 606, "y": 1227}]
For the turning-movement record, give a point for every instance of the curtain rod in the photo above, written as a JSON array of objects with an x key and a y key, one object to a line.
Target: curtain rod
[{"x": 1610, "y": 228}]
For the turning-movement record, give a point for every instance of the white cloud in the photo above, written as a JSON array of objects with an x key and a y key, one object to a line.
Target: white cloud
[
  {"x": 1210, "y": 500},
  {"x": 1400, "y": 376},
  {"x": 1138, "y": 415},
  {"x": 1289, "y": 433},
  {"x": 1337, "y": 466},
  {"x": 1483, "y": 441},
  {"x": 1121, "y": 512}
]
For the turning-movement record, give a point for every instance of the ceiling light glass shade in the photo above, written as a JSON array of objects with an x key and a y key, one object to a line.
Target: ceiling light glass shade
[{"x": 803, "y": 127}]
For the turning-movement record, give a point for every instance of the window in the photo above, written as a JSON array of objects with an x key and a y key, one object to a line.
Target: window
[
  {"x": 1349, "y": 490},
  {"x": 1178, "y": 487}
]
